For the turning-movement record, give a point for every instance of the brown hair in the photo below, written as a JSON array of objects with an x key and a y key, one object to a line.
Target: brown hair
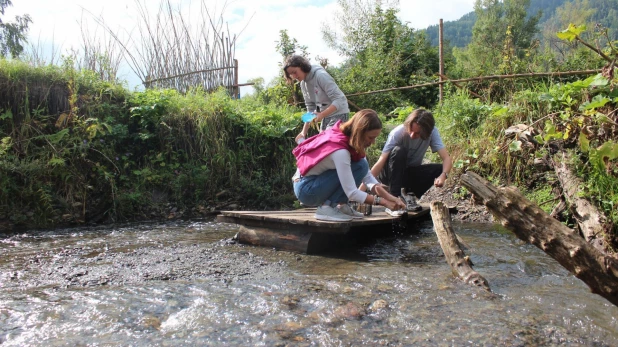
[
  {"x": 424, "y": 119},
  {"x": 295, "y": 61},
  {"x": 357, "y": 126}
]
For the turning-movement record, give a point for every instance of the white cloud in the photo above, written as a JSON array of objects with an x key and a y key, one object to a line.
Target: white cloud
[{"x": 258, "y": 23}]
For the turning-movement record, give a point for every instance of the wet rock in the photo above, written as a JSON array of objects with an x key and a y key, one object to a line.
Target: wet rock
[
  {"x": 384, "y": 288},
  {"x": 151, "y": 322},
  {"x": 378, "y": 305},
  {"x": 291, "y": 302},
  {"x": 350, "y": 310}
]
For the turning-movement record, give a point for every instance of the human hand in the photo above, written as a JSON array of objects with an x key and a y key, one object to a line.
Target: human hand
[
  {"x": 300, "y": 136},
  {"x": 439, "y": 181},
  {"x": 397, "y": 204}
]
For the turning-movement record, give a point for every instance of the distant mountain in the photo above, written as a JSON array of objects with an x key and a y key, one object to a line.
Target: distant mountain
[{"x": 459, "y": 33}]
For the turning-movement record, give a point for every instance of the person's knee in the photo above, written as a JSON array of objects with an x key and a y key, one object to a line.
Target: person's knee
[
  {"x": 435, "y": 170},
  {"x": 362, "y": 166},
  {"x": 360, "y": 169}
]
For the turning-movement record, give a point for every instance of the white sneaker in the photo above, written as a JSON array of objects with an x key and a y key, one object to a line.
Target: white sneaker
[
  {"x": 331, "y": 214},
  {"x": 348, "y": 210},
  {"x": 392, "y": 213}
]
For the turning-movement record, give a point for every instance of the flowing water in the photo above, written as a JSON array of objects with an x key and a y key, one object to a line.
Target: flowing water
[{"x": 397, "y": 290}]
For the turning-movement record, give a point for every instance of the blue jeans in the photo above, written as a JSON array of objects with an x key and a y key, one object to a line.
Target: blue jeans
[{"x": 317, "y": 189}]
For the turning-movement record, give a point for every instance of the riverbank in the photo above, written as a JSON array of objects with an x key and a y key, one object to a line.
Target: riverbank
[{"x": 465, "y": 210}]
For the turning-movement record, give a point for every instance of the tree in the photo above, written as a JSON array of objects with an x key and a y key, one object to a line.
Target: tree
[
  {"x": 576, "y": 12},
  {"x": 279, "y": 91},
  {"x": 502, "y": 36},
  {"x": 287, "y": 46},
  {"x": 354, "y": 18},
  {"x": 13, "y": 34},
  {"x": 382, "y": 52}
]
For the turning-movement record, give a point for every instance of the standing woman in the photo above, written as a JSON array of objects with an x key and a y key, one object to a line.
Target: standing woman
[
  {"x": 332, "y": 165},
  {"x": 321, "y": 93}
]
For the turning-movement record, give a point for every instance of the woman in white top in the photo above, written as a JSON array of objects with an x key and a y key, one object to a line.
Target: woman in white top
[{"x": 332, "y": 165}]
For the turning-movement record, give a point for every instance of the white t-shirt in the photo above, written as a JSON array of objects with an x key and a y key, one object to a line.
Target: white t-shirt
[{"x": 416, "y": 147}]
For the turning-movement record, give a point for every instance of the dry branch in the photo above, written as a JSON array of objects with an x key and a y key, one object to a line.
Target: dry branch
[
  {"x": 531, "y": 224},
  {"x": 168, "y": 53},
  {"x": 592, "y": 223},
  {"x": 455, "y": 256}
]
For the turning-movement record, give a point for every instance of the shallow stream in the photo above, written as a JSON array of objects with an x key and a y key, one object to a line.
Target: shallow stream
[{"x": 189, "y": 284}]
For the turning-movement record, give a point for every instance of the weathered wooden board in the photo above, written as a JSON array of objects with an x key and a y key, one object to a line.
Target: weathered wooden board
[{"x": 299, "y": 231}]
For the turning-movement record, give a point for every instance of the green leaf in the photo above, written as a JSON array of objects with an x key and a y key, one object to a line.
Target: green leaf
[
  {"x": 515, "y": 146},
  {"x": 606, "y": 152},
  {"x": 56, "y": 162},
  {"x": 597, "y": 80},
  {"x": 55, "y": 138},
  {"x": 584, "y": 143},
  {"x": 501, "y": 111},
  {"x": 6, "y": 115},
  {"x": 597, "y": 101},
  {"x": 571, "y": 32}
]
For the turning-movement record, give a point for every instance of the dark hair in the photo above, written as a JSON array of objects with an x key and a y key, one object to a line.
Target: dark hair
[
  {"x": 356, "y": 127},
  {"x": 295, "y": 61},
  {"x": 424, "y": 119}
]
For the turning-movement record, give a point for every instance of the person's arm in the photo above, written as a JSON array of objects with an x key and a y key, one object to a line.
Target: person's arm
[
  {"x": 310, "y": 104},
  {"x": 303, "y": 133},
  {"x": 327, "y": 112},
  {"x": 338, "y": 101},
  {"x": 376, "y": 169},
  {"x": 387, "y": 199},
  {"x": 379, "y": 165},
  {"x": 447, "y": 165},
  {"x": 342, "y": 161}
]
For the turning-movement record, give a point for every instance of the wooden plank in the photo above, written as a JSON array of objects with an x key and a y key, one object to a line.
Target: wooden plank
[
  {"x": 304, "y": 220},
  {"x": 299, "y": 231},
  {"x": 288, "y": 240}
]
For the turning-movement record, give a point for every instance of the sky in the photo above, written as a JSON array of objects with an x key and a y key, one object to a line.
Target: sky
[{"x": 256, "y": 23}]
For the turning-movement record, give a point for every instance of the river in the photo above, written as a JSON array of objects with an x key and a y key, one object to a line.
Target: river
[{"x": 189, "y": 284}]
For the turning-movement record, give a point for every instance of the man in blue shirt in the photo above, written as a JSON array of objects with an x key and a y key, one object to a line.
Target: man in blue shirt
[{"x": 401, "y": 163}]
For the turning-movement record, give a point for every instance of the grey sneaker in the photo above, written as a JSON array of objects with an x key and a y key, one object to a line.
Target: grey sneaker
[
  {"x": 411, "y": 204},
  {"x": 331, "y": 214},
  {"x": 348, "y": 210}
]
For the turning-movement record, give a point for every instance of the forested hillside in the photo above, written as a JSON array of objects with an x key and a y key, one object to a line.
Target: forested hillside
[{"x": 604, "y": 12}]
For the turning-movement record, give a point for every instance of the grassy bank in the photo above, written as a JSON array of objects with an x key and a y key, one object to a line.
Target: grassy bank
[{"x": 75, "y": 149}]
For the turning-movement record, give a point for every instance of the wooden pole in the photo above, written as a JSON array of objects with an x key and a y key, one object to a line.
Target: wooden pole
[
  {"x": 455, "y": 256},
  {"x": 441, "y": 48},
  {"x": 236, "y": 89}
]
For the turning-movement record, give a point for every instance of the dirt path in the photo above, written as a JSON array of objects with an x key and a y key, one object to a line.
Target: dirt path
[{"x": 451, "y": 195}]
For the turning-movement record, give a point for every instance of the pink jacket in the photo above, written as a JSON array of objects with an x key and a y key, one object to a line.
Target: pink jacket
[{"x": 309, "y": 153}]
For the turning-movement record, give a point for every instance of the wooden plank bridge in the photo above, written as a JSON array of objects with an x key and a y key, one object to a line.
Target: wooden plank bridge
[{"x": 299, "y": 231}]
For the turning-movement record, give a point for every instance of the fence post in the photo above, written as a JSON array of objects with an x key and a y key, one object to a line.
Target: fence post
[
  {"x": 236, "y": 87},
  {"x": 441, "y": 42}
]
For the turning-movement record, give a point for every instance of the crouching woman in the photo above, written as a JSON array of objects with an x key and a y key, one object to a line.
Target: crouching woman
[{"x": 332, "y": 165}]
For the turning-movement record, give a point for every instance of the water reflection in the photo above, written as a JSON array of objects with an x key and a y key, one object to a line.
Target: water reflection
[{"x": 396, "y": 291}]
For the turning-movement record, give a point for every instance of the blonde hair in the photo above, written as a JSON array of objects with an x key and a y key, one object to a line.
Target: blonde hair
[{"x": 356, "y": 127}]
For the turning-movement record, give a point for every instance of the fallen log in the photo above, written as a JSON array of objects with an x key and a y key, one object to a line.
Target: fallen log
[
  {"x": 592, "y": 223},
  {"x": 531, "y": 224},
  {"x": 455, "y": 256}
]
